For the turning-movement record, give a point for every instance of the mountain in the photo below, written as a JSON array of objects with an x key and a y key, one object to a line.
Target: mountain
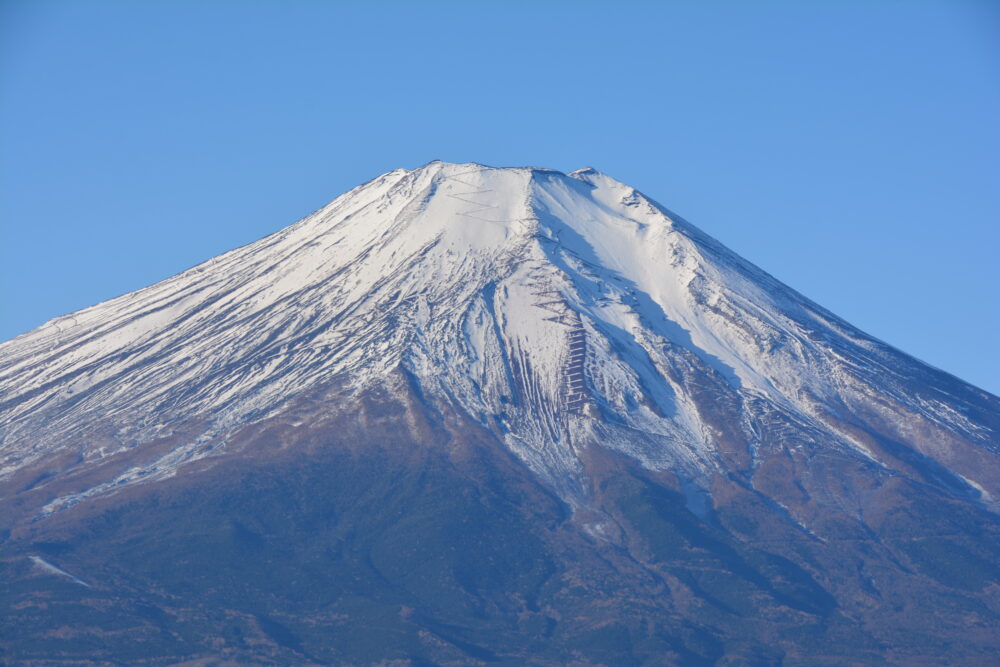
[{"x": 467, "y": 415}]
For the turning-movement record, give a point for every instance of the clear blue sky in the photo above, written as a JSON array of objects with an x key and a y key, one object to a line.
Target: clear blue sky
[{"x": 849, "y": 148}]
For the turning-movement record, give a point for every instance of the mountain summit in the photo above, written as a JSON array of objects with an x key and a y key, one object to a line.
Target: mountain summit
[{"x": 596, "y": 432}]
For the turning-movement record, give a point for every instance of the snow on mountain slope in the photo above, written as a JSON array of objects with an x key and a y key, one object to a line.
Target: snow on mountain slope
[{"x": 559, "y": 311}]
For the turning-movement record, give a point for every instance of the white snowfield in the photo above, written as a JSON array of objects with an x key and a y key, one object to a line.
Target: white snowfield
[
  {"x": 48, "y": 568},
  {"x": 558, "y": 310}
]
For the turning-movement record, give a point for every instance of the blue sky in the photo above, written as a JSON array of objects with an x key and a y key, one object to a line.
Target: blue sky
[{"x": 849, "y": 148}]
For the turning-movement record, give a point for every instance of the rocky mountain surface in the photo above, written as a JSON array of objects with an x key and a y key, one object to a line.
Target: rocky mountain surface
[{"x": 467, "y": 415}]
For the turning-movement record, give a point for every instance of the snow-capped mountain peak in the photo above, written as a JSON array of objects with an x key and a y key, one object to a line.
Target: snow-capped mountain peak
[{"x": 558, "y": 311}]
